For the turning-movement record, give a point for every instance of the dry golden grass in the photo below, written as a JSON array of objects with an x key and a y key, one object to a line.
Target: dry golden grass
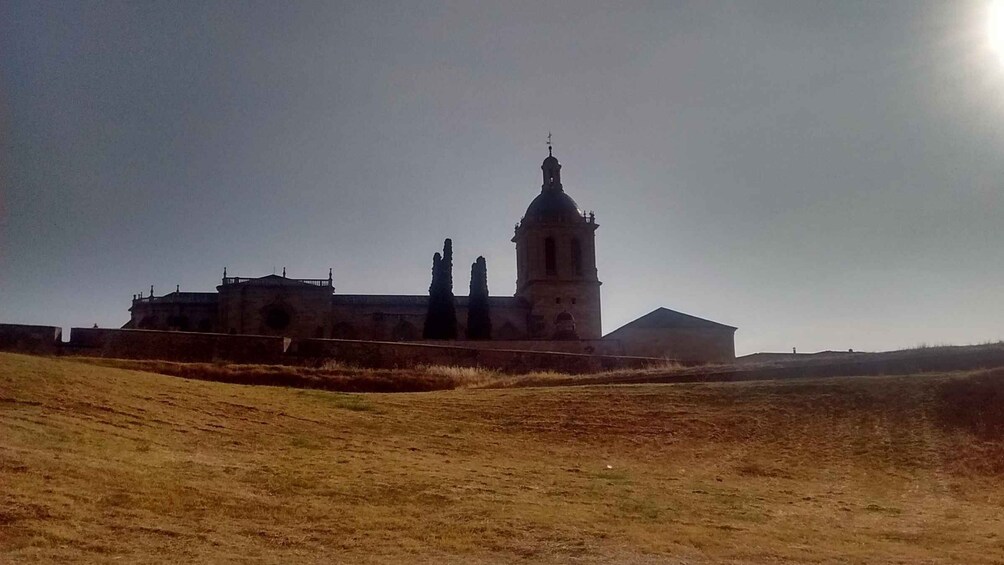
[
  {"x": 463, "y": 377},
  {"x": 101, "y": 464},
  {"x": 329, "y": 376}
]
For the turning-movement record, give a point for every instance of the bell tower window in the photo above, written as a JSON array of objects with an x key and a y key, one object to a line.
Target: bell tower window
[
  {"x": 576, "y": 256},
  {"x": 550, "y": 259}
]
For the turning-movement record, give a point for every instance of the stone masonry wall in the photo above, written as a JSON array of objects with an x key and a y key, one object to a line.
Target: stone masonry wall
[
  {"x": 30, "y": 339},
  {"x": 583, "y": 347},
  {"x": 243, "y": 310},
  {"x": 686, "y": 345},
  {"x": 521, "y": 356},
  {"x": 148, "y": 314},
  {"x": 388, "y": 355},
  {"x": 402, "y": 318},
  {"x": 176, "y": 346}
]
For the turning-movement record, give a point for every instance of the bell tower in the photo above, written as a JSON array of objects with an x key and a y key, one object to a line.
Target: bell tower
[{"x": 556, "y": 262}]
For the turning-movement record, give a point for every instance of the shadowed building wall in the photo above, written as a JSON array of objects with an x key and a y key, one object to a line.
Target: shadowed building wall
[
  {"x": 557, "y": 299},
  {"x": 400, "y": 318},
  {"x": 556, "y": 262},
  {"x": 674, "y": 335},
  {"x": 276, "y": 305},
  {"x": 177, "y": 311}
]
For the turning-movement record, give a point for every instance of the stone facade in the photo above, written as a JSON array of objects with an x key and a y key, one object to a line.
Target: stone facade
[
  {"x": 556, "y": 277},
  {"x": 275, "y": 305},
  {"x": 401, "y": 318},
  {"x": 557, "y": 298},
  {"x": 556, "y": 263},
  {"x": 30, "y": 339},
  {"x": 177, "y": 346},
  {"x": 189, "y": 347},
  {"x": 177, "y": 311},
  {"x": 389, "y": 355}
]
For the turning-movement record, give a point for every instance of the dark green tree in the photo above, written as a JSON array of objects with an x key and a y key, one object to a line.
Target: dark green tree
[
  {"x": 430, "y": 330},
  {"x": 449, "y": 304},
  {"x": 441, "y": 317},
  {"x": 479, "y": 321}
]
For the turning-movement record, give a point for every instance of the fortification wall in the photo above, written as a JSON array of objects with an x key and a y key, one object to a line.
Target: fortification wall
[
  {"x": 30, "y": 339},
  {"x": 512, "y": 356},
  {"x": 583, "y": 347},
  {"x": 176, "y": 346},
  {"x": 388, "y": 355}
]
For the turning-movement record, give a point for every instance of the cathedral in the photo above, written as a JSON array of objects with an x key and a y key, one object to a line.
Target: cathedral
[{"x": 557, "y": 299}]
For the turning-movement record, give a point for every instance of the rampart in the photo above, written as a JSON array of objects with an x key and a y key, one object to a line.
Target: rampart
[
  {"x": 610, "y": 347},
  {"x": 586, "y": 356},
  {"x": 176, "y": 346},
  {"x": 30, "y": 339},
  {"x": 389, "y": 355}
]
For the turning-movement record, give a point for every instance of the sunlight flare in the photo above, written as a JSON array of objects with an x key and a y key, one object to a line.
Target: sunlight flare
[{"x": 995, "y": 27}]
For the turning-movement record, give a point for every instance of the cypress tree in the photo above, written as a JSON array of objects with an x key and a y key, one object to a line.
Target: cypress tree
[
  {"x": 448, "y": 303},
  {"x": 441, "y": 317},
  {"x": 430, "y": 331},
  {"x": 479, "y": 321}
]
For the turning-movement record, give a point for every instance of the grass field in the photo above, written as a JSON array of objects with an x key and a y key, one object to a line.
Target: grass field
[{"x": 102, "y": 464}]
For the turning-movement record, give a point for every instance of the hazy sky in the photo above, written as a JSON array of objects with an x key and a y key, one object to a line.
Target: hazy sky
[{"x": 825, "y": 175}]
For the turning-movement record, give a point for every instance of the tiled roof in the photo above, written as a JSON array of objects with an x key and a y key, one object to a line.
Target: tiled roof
[{"x": 666, "y": 318}]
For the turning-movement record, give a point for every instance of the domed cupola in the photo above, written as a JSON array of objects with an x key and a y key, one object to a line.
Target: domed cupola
[
  {"x": 552, "y": 204},
  {"x": 552, "y": 172}
]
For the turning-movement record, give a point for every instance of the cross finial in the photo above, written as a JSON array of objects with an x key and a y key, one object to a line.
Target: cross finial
[{"x": 549, "y": 154}]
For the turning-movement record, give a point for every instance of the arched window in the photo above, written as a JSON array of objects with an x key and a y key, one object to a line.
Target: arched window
[
  {"x": 550, "y": 260},
  {"x": 577, "y": 256}
]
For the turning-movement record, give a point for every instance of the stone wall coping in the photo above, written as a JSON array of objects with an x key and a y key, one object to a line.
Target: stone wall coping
[
  {"x": 33, "y": 326},
  {"x": 176, "y": 333}
]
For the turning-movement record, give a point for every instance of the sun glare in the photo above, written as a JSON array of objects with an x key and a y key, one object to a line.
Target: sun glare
[{"x": 996, "y": 27}]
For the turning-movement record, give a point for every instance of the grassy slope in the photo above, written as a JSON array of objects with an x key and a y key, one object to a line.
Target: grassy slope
[{"x": 103, "y": 464}]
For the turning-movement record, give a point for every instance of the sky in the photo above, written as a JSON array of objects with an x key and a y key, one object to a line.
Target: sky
[{"x": 822, "y": 175}]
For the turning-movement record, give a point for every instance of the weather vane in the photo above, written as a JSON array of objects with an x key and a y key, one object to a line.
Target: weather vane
[{"x": 549, "y": 143}]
